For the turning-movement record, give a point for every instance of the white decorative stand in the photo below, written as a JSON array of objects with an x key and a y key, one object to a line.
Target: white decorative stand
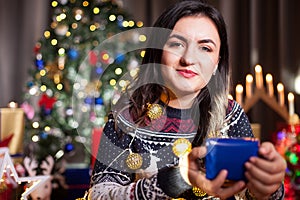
[{"x": 6, "y": 163}]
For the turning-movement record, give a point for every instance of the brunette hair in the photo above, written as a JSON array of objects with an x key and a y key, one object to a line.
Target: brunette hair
[{"x": 211, "y": 102}]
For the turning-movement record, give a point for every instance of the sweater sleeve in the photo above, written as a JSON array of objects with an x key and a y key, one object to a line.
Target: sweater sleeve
[
  {"x": 111, "y": 177},
  {"x": 237, "y": 123}
]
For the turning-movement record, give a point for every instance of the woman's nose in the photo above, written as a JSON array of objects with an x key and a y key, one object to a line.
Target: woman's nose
[{"x": 189, "y": 57}]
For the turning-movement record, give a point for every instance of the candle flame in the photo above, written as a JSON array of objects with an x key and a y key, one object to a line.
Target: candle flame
[
  {"x": 290, "y": 96},
  {"x": 280, "y": 87},
  {"x": 249, "y": 78},
  {"x": 269, "y": 78},
  {"x": 258, "y": 68},
  {"x": 239, "y": 88}
]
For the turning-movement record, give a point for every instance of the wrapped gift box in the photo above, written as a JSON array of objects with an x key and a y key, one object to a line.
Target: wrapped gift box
[{"x": 12, "y": 122}]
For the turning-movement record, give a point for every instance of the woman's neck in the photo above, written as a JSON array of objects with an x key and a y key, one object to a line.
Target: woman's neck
[{"x": 182, "y": 102}]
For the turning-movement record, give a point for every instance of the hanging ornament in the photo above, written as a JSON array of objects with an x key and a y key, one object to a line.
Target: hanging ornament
[
  {"x": 39, "y": 64},
  {"x": 69, "y": 147},
  {"x": 37, "y": 48},
  {"x": 181, "y": 146},
  {"x": 134, "y": 161},
  {"x": 98, "y": 101},
  {"x": 28, "y": 110},
  {"x": 120, "y": 58},
  {"x": 99, "y": 70},
  {"x": 63, "y": 2},
  {"x": 154, "y": 111},
  {"x": 198, "y": 192},
  {"x": 93, "y": 58},
  {"x": 61, "y": 29},
  {"x": 73, "y": 54}
]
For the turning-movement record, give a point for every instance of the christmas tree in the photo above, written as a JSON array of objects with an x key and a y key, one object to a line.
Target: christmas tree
[{"x": 78, "y": 64}]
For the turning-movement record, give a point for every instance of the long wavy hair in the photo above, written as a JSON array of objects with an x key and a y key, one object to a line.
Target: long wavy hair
[{"x": 210, "y": 105}]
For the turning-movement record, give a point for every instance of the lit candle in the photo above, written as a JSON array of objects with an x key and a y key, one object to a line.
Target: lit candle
[
  {"x": 280, "y": 90},
  {"x": 258, "y": 76},
  {"x": 269, "y": 81},
  {"x": 239, "y": 94},
  {"x": 291, "y": 104},
  {"x": 249, "y": 81}
]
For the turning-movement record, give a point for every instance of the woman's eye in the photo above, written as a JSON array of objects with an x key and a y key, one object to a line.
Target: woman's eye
[
  {"x": 175, "y": 44},
  {"x": 204, "y": 48}
]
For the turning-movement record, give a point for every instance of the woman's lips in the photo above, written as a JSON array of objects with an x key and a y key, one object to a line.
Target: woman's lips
[{"x": 187, "y": 73}]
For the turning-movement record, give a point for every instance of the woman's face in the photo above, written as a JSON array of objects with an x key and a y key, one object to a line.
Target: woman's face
[{"x": 190, "y": 55}]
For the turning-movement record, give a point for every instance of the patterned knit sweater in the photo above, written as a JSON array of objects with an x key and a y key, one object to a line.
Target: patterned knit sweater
[{"x": 113, "y": 179}]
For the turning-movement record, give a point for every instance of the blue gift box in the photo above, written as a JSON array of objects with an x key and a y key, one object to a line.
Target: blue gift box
[{"x": 230, "y": 154}]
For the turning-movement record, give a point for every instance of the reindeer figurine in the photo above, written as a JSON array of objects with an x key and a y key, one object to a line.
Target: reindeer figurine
[{"x": 31, "y": 165}]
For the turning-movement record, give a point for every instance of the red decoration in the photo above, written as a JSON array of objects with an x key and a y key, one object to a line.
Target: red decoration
[
  {"x": 47, "y": 102},
  {"x": 96, "y": 136},
  {"x": 6, "y": 141},
  {"x": 93, "y": 58}
]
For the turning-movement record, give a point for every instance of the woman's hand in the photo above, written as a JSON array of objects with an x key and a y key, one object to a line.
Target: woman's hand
[
  {"x": 266, "y": 172},
  {"x": 189, "y": 168}
]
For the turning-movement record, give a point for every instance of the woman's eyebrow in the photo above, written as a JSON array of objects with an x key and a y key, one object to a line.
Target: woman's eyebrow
[
  {"x": 207, "y": 41},
  {"x": 199, "y": 42},
  {"x": 178, "y": 37}
]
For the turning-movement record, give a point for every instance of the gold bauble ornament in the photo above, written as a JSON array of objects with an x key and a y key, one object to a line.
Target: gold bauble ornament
[
  {"x": 181, "y": 146},
  {"x": 134, "y": 161},
  {"x": 154, "y": 111},
  {"x": 198, "y": 192}
]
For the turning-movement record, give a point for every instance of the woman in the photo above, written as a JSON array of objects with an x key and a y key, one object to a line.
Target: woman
[{"x": 180, "y": 97}]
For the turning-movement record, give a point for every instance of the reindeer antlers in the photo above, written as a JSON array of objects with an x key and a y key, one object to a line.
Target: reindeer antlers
[
  {"x": 30, "y": 165},
  {"x": 47, "y": 165}
]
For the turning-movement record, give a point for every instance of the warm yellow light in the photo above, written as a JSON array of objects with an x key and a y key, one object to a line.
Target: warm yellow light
[
  {"x": 93, "y": 27},
  {"x": 112, "y": 82},
  {"x": 280, "y": 87},
  {"x": 118, "y": 71},
  {"x": 47, "y": 128},
  {"x": 239, "y": 88},
  {"x": 105, "y": 56},
  {"x": 74, "y": 25},
  {"x": 59, "y": 86},
  {"x": 122, "y": 83},
  {"x": 125, "y": 24},
  {"x": 140, "y": 24},
  {"x": 54, "y": 4},
  {"x": 47, "y": 34},
  {"x": 43, "y": 88},
  {"x": 258, "y": 68},
  {"x": 54, "y": 42},
  {"x": 35, "y": 124},
  {"x": 85, "y": 3},
  {"x": 143, "y": 53},
  {"x": 63, "y": 16},
  {"x": 291, "y": 96},
  {"x": 96, "y": 10},
  {"x": 269, "y": 78},
  {"x": 12, "y": 104},
  {"x": 35, "y": 138},
  {"x": 131, "y": 23},
  {"x": 61, "y": 51},
  {"x": 112, "y": 18},
  {"x": 249, "y": 78},
  {"x": 43, "y": 72},
  {"x": 142, "y": 38}
]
